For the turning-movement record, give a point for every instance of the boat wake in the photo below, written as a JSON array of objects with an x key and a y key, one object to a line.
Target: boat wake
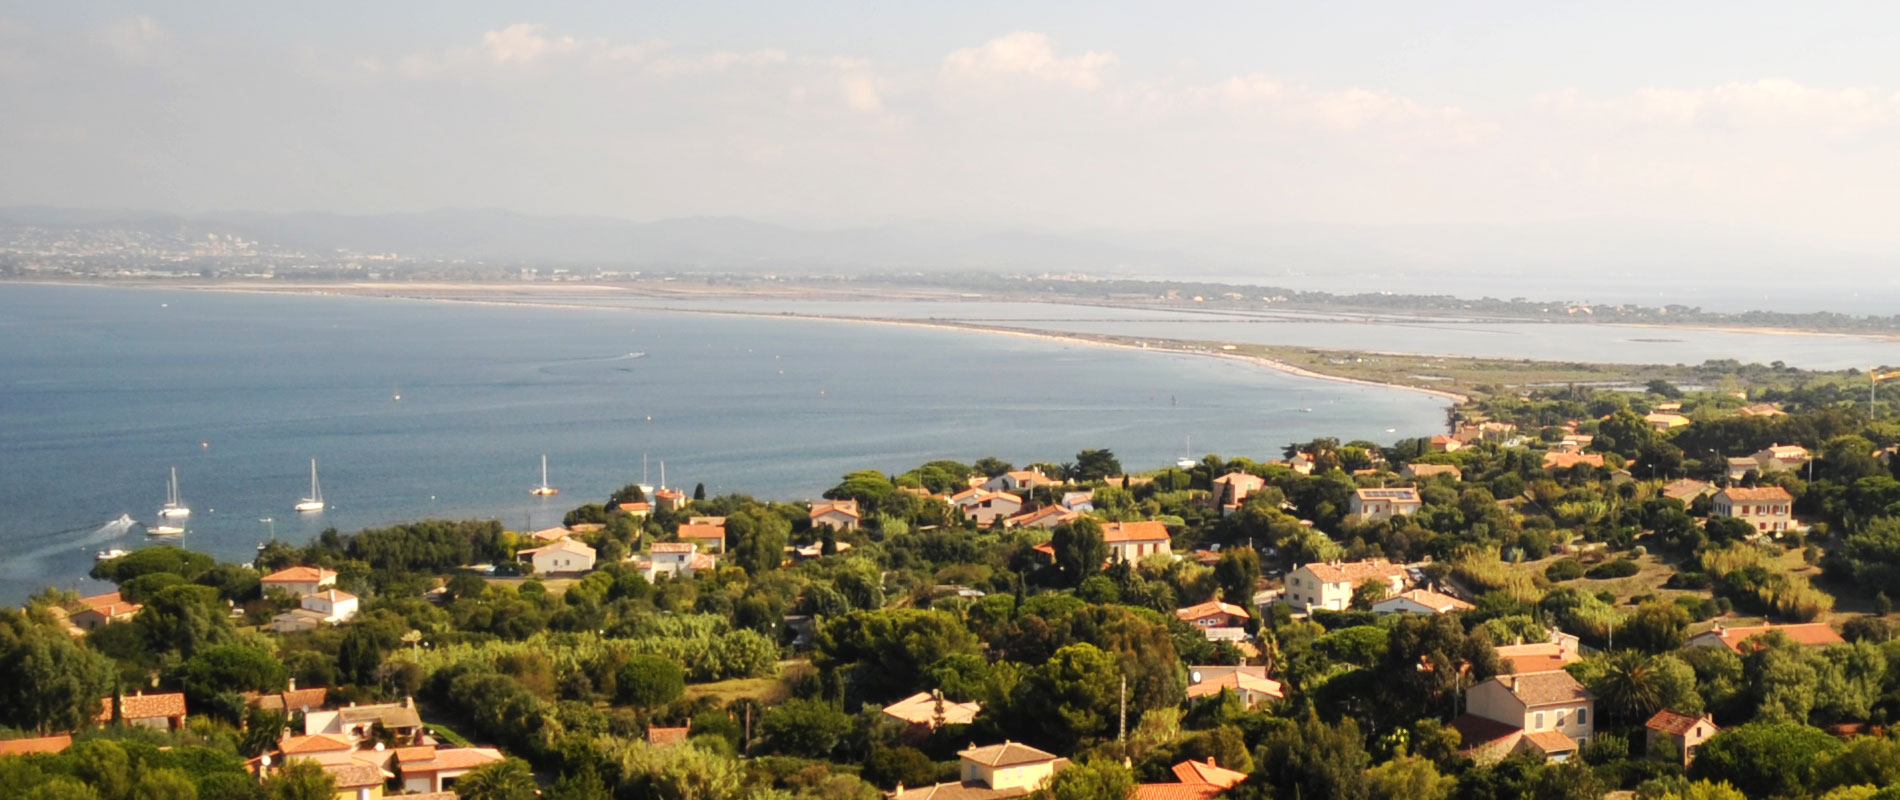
[{"x": 121, "y": 525}]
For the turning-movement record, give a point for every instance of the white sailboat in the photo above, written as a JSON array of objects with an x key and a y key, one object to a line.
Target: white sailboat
[
  {"x": 174, "y": 507},
  {"x": 1186, "y": 461},
  {"x": 313, "y": 502},
  {"x": 544, "y": 489}
]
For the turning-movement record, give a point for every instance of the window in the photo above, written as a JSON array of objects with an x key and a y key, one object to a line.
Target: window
[
  {"x": 1539, "y": 724},
  {"x": 1583, "y": 716},
  {"x": 1560, "y": 720}
]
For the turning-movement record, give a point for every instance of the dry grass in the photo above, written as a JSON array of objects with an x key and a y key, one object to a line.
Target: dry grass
[{"x": 764, "y": 691}]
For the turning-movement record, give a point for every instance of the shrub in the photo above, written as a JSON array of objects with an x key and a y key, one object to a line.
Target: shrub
[
  {"x": 1565, "y": 570},
  {"x": 1621, "y": 568}
]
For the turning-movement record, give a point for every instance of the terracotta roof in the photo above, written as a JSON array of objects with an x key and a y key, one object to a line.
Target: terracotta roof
[
  {"x": 111, "y": 610},
  {"x": 1176, "y": 791},
  {"x": 958, "y": 791},
  {"x": 562, "y": 546},
  {"x": 97, "y": 600},
  {"x": 1534, "y": 657},
  {"x": 1148, "y": 531},
  {"x": 1544, "y": 688},
  {"x": 149, "y": 706},
  {"x": 1058, "y": 512},
  {"x": 299, "y": 575},
  {"x": 669, "y": 494},
  {"x": 1807, "y": 634},
  {"x": 672, "y": 547},
  {"x": 314, "y": 743},
  {"x": 1480, "y": 731},
  {"x": 1356, "y": 572},
  {"x": 691, "y": 531},
  {"x": 1440, "y": 603},
  {"x": 1240, "y": 479},
  {"x": 1210, "y": 608},
  {"x": 1005, "y": 755},
  {"x": 1205, "y": 772},
  {"x": 1400, "y": 494},
  {"x": 334, "y": 596},
  {"x": 43, "y": 744},
  {"x": 1237, "y": 681},
  {"x": 294, "y": 699},
  {"x": 1675, "y": 724},
  {"x": 1428, "y": 470},
  {"x": 1760, "y": 410},
  {"x": 453, "y": 758},
  {"x": 1762, "y": 494},
  {"x": 921, "y": 709},
  {"x": 1555, "y": 460},
  {"x": 550, "y": 534},
  {"x": 657, "y": 735},
  {"x": 419, "y": 753},
  {"x": 354, "y": 776},
  {"x": 1686, "y": 489},
  {"x": 846, "y": 507},
  {"x": 1551, "y": 741}
]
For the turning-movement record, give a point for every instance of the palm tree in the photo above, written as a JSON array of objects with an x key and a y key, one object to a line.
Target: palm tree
[
  {"x": 1627, "y": 690},
  {"x": 506, "y": 780}
]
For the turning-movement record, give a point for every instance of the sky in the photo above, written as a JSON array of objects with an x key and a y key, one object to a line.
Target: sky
[{"x": 1768, "y": 116}]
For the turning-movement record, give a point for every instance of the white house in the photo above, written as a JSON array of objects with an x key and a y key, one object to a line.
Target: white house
[
  {"x": 986, "y": 506},
  {"x": 328, "y": 607},
  {"x": 299, "y": 581},
  {"x": 1768, "y": 509},
  {"x": 1376, "y": 504},
  {"x": 1018, "y": 481},
  {"x": 992, "y": 772},
  {"x": 840, "y": 514},
  {"x": 1420, "y": 601},
  {"x": 1330, "y": 585},
  {"x": 566, "y": 555},
  {"x": 1134, "y": 541},
  {"x": 428, "y": 768},
  {"x": 1548, "y": 713},
  {"x": 679, "y": 559}
]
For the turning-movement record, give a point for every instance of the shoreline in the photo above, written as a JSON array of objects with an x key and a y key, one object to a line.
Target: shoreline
[{"x": 1166, "y": 346}]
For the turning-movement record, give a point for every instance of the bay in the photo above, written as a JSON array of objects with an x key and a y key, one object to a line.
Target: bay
[{"x": 103, "y": 389}]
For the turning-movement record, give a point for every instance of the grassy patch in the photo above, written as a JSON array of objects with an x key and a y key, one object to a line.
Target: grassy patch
[
  {"x": 765, "y": 691},
  {"x": 446, "y": 734}
]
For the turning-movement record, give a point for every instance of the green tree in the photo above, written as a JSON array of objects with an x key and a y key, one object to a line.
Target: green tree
[
  {"x": 52, "y": 683},
  {"x": 802, "y": 727},
  {"x": 759, "y": 540},
  {"x": 1314, "y": 760},
  {"x": 649, "y": 682},
  {"x": 1368, "y": 593},
  {"x": 61, "y": 788},
  {"x": 230, "y": 668},
  {"x": 699, "y": 491},
  {"x": 164, "y": 784},
  {"x": 1080, "y": 550},
  {"x": 1238, "y": 573},
  {"x": 1068, "y": 699},
  {"x": 300, "y": 779},
  {"x": 103, "y": 765},
  {"x": 1408, "y": 777},
  {"x": 1094, "y": 465},
  {"x": 1101, "y": 779},
  {"x": 1765, "y": 759},
  {"x": 1658, "y": 626},
  {"x": 184, "y": 619},
  {"x": 509, "y": 779},
  {"x": 990, "y": 466}
]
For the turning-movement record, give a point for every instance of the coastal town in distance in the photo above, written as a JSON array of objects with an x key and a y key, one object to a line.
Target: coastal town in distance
[{"x": 926, "y": 401}]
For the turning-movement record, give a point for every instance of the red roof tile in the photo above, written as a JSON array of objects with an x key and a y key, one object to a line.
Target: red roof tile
[
  {"x": 43, "y": 744},
  {"x": 1761, "y": 494},
  {"x": 299, "y": 575},
  {"x": 1148, "y": 531},
  {"x": 150, "y": 706},
  {"x": 1672, "y": 723}
]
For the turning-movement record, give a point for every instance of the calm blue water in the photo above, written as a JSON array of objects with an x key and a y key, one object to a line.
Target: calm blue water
[{"x": 103, "y": 389}]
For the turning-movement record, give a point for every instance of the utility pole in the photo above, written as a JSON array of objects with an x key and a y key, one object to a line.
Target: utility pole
[{"x": 1121, "y": 737}]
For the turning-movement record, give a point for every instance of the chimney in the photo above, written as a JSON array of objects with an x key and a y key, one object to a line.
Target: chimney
[
  {"x": 1210, "y": 762},
  {"x": 409, "y": 701},
  {"x": 293, "y": 685},
  {"x": 900, "y": 790}
]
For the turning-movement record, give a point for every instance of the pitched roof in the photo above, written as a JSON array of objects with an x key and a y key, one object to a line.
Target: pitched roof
[
  {"x": 672, "y": 547},
  {"x": 1544, "y": 688},
  {"x": 1147, "y": 531},
  {"x": 1005, "y": 755},
  {"x": 1210, "y": 608},
  {"x": 1533, "y": 657},
  {"x": 1557, "y": 460},
  {"x": 43, "y": 744},
  {"x": 452, "y": 758},
  {"x": 562, "y": 546},
  {"x": 1479, "y": 731},
  {"x": 820, "y": 508},
  {"x": 1760, "y": 494},
  {"x": 1205, "y": 772},
  {"x": 1686, "y": 489},
  {"x": 148, "y": 706},
  {"x": 1551, "y": 741},
  {"x": 294, "y": 699},
  {"x": 1807, "y": 634},
  {"x": 1030, "y": 518},
  {"x": 921, "y": 709},
  {"x": 1238, "y": 681},
  {"x": 1356, "y": 572},
  {"x": 957, "y": 791},
  {"x": 550, "y": 534},
  {"x": 1242, "y": 479},
  {"x": 691, "y": 531},
  {"x": 1176, "y": 791},
  {"x": 1428, "y": 470},
  {"x": 300, "y": 575},
  {"x": 314, "y": 743},
  {"x": 334, "y": 596},
  {"x": 1675, "y": 724},
  {"x": 1402, "y": 494},
  {"x": 97, "y": 600},
  {"x": 1439, "y": 603},
  {"x": 354, "y": 776}
]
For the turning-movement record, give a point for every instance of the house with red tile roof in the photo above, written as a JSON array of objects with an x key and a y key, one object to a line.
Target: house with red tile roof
[
  {"x": 1769, "y": 509},
  {"x": 1045, "y": 517},
  {"x": 1735, "y": 638},
  {"x": 1544, "y": 712},
  {"x": 992, "y": 772},
  {"x": 1681, "y": 735},
  {"x": 660, "y": 736},
  {"x": 1019, "y": 481},
  {"x": 1556, "y": 460},
  {"x": 1248, "y": 683},
  {"x": 1781, "y": 458},
  {"x": 101, "y": 610},
  {"x": 1377, "y": 504},
  {"x": 1134, "y": 541},
  {"x": 291, "y": 700},
  {"x": 1444, "y": 443},
  {"x": 161, "y": 712},
  {"x": 299, "y": 581},
  {"x": 710, "y": 538},
  {"x": 986, "y": 506},
  {"x": 1420, "y": 601},
  {"x": 1419, "y": 472},
  {"x": 840, "y": 514},
  {"x": 1523, "y": 657},
  {"x": 1231, "y": 490},
  {"x": 669, "y": 499},
  {"x": 547, "y": 535},
  {"x": 1330, "y": 585},
  {"x": 428, "y": 768},
  {"x": 1194, "y": 780},
  {"x": 1213, "y": 614},
  {"x": 1687, "y": 490}
]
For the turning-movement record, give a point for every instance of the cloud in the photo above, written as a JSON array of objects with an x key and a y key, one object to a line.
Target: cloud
[
  {"x": 1025, "y": 54},
  {"x": 523, "y": 43},
  {"x": 134, "y": 38},
  {"x": 1739, "y": 106}
]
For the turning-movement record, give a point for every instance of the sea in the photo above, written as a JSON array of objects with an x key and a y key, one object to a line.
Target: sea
[{"x": 418, "y": 409}]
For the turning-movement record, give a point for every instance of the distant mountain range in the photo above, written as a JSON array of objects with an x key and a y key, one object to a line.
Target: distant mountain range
[{"x": 1627, "y": 248}]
